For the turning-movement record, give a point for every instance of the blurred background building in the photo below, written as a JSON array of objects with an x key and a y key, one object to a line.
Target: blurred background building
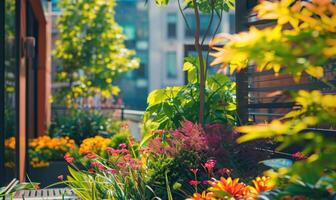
[{"x": 161, "y": 41}]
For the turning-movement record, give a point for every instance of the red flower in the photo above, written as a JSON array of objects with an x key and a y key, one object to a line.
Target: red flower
[
  {"x": 113, "y": 171},
  {"x": 194, "y": 171},
  {"x": 298, "y": 156},
  {"x": 101, "y": 167},
  {"x": 68, "y": 158},
  {"x": 60, "y": 177},
  {"x": 95, "y": 164},
  {"x": 123, "y": 145},
  {"x": 91, "y": 156},
  {"x": 159, "y": 132},
  {"x": 194, "y": 182},
  {"x": 90, "y": 170}
]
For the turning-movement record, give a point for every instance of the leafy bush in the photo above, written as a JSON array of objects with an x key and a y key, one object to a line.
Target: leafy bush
[
  {"x": 79, "y": 124},
  {"x": 42, "y": 150},
  {"x": 121, "y": 175},
  {"x": 314, "y": 175},
  {"x": 169, "y": 106}
]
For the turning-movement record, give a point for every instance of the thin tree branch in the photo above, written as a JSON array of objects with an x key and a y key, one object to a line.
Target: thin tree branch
[
  {"x": 184, "y": 17},
  {"x": 210, "y": 23},
  {"x": 220, "y": 16}
]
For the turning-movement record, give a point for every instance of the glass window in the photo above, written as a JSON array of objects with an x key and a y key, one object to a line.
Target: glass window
[
  {"x": 232, "y": 23},
  {"x": 204, "y": 21},
  {"x": 171, "y": 25},
  {"x": 171, "y": 68}
]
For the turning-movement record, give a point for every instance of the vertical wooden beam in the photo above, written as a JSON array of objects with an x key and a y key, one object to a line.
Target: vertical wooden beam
[
  {"x": 241, "y": 14},
  {"x": 43, "y": 79},
  {"x": 2, "y": 92},
  {"x": 21, "y": 92}
]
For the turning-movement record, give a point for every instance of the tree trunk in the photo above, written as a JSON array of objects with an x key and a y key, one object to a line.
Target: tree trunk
[{"x": 201, "y": 62}]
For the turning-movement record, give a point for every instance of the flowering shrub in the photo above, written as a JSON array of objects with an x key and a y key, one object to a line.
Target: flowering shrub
[
  {"x": 120, "y": 176},
  {"x": 96, "y": 144},
  {"x": 42, "y": 150}
]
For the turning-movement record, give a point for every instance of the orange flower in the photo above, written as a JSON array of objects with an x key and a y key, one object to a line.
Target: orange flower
[
  {"x": 204, "y": 196},
  {"x": 261, "y": 184},
  {"x": 232, "y": 187}
]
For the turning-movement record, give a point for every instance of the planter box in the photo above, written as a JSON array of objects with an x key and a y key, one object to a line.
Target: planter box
[{"x": 48, "y": 175}]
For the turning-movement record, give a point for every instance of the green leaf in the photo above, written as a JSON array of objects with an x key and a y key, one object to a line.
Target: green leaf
[{"x": 277, "y": 163}]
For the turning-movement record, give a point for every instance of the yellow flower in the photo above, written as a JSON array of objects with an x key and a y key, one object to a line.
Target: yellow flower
[
  {"x": 261, "y": 184},
  {"x": 204, "y": 196},
  {"x": 96, "y": 144},
  {"x": 230, "y": 186}
]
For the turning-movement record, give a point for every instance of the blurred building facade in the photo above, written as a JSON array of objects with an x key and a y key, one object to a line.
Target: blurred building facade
[{"x": 161, "y": 41}]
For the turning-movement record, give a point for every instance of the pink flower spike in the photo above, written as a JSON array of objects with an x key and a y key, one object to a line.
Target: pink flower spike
[
  {"x": 224, "y": 171},
  {"x": 194, "y": 182},
  {"x": 194, "y": 171},
  {"x": 123, "y": 145},
  {"x": 113, "y": 171},
  {"x": 210, "y": 164}
]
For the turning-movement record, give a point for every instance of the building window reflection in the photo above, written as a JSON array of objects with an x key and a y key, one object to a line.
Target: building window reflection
[
  {"x": 171, "y": 63},
  {"x": 171, "y": 25}
]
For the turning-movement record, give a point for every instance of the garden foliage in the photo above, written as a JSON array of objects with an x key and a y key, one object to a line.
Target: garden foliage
[
  {"x": 90, "y": 49},
  {"x": 314, "y": 176},
  {"x": 169, "y": 106},
  {"x": 80, "y": 124}
]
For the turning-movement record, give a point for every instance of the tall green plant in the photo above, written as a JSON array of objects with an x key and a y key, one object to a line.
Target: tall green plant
[
  {"x": 90, "y": 49},
  {"x": 168, "y": 106},
  {"x": 215, "y": 8}
]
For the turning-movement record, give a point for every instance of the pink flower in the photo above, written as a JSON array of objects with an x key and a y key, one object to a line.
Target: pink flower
[
  {"x": 68, "y": 158},
  {"x": 205, "y": 182},
  {"x": 122, "y": 146},
  {"x": 113, "y": 171},
  {"x": 194, "y": 182},
  {"x": 298, "y": 156},
  {"x": 224, "y": 171},
  {"x": 121, "y": 165},
  {"x": 194, "y": 171},
  {"x": 127, "y": 157},
  {"x": 124, "y": 125},
  {"x": 112, "y": 151},
  {"x": 209, "y": 165},
  {"x": 60, "y": 177}
]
